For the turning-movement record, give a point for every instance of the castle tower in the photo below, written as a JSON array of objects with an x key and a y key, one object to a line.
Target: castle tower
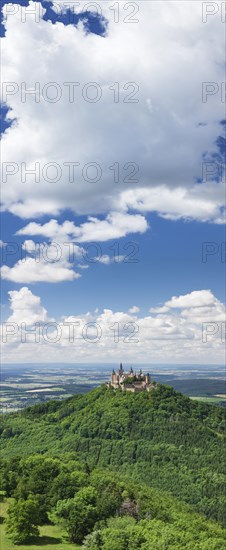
[
  {"x": 148, "y": 378},
  {"x": 114, "y": 378},
  {"x": 121, "y": 371}
]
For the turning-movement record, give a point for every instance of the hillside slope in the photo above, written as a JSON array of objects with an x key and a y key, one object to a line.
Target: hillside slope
[{"x": 163, "y": 439}]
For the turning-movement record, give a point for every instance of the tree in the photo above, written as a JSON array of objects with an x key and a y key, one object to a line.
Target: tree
[
  {"x": 66, "y": 484},
  {"x": 93, "y": 541},
  {"x": 22, "y": 521},
  {"x": 78, "y": 514}
]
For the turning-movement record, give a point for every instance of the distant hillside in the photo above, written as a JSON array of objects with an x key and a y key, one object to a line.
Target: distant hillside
[
  {"x": 161, "y": 438},
  {"x": 199, "y": 386}
]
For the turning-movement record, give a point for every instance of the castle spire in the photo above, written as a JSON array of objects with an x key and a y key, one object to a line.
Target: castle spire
[{"x": 121, "y": 369}]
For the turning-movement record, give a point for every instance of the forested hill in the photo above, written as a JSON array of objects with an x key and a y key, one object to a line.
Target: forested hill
[{"x": 161, "y": 438}]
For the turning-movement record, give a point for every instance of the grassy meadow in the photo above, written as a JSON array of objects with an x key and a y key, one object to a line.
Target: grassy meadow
[{"x": 51, "y": 536}]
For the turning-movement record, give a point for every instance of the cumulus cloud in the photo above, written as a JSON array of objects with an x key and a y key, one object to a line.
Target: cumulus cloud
[
  {"x": 139, "y": 149},
  {"x": 161, "y": 309},
  {"x": 104, "y": 259},
  {"x": 26, "y": 307},
  {"x": 116, "y": 225},
  {"x": 52, "y": 229},
  {"x": 143, "y": 135},
  {"x": 32, "y": 271},
  {"x": 197, "y": 298},
  {"x": 198, "y": 307},
  {"x": 53, "y": 261},
  {"x": 134, "y": 309},
  {"x": 174, "y": 204},
  {"x": 173, "y": 335}
]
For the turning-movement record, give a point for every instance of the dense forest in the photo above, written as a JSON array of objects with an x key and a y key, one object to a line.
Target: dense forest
[{"x": 117, "y": 470}]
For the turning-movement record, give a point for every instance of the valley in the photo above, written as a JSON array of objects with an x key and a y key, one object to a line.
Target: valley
[{"x": 26, "y": 385}]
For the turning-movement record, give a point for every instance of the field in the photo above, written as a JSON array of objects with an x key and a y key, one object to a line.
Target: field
[
  {"x": 23, "y": 386},
  {"x": 51, "y": 537},
  {"x": 26, "y": 385}
]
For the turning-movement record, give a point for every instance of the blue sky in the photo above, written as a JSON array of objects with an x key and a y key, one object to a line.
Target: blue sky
[
  {"x": 93, "y": 22},
  {"x": 170, "y": 262},
  {"x": 158, "y": 111}
]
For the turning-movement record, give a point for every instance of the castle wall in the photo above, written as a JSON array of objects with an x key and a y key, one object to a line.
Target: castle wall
[{"x": 117, "y": 381}]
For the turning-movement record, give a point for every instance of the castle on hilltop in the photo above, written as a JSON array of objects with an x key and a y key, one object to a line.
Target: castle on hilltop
[{"x": 131, "y": 381}]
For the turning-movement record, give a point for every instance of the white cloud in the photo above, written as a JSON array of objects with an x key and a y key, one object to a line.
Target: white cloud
[
  {"x": 197, "y": 307},
  {"x": 53, "y": 261},
  {"x": 52, "y": 229},
  {"x": 168, "y": 54},
  {"x": 105, "y": 259},
  {"x": 31, "y": 271},
  {"x": 83, "y": 266},
  {"x": 26, "y": 307},
  {"x": 174, "y": 335},
  {"x": 30, "y": 247},
  {"x": 174, "y": 204},
  {"x": 197, "y": 298},
  {"x": 161, "y": 309},
  {"x": 134, "y": 309},
  {"x": 116, "y": 225}
]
